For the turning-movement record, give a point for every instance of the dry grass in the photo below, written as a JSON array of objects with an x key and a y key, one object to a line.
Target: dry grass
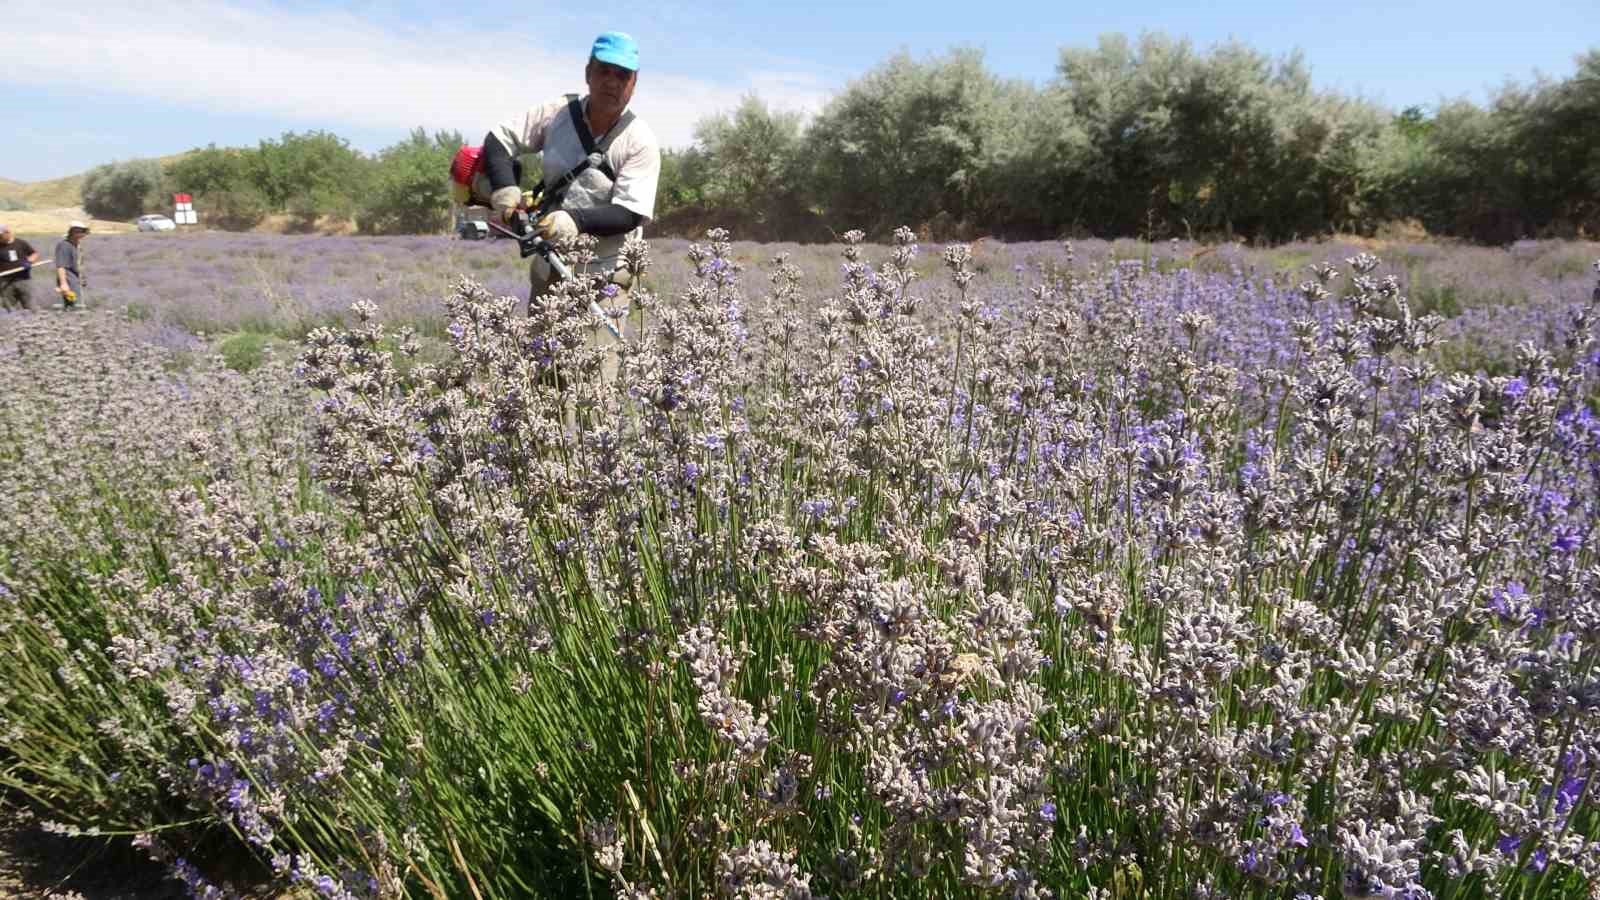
[
  {"x": 280, "y": 223},
  {"x": 52, "y": 194},
  {"x": 53, "y": 222}
]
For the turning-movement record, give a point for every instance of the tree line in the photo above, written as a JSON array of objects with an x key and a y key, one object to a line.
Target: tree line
[
  {"x": 1148, "y": 137},
  {"x": 310, "y": 177}
]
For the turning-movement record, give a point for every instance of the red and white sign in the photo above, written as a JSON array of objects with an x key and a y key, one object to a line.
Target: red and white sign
[{"x": 183, "y": 210}]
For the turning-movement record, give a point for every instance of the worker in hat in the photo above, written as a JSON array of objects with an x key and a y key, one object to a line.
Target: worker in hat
[
  {"x": 69, "y": 265},
  {"x": 601, "y": 164},
  {"x": 17, "y": 257}
]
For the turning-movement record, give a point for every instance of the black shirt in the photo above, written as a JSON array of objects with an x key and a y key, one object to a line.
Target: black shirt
[{"x": 12, "y": 256}]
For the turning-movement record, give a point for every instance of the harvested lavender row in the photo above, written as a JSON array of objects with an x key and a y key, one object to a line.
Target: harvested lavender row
[{"x": 1102, "y": 578}]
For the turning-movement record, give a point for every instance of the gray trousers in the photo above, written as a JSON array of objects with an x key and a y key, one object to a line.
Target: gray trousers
[{"x": 16, "y": 294}]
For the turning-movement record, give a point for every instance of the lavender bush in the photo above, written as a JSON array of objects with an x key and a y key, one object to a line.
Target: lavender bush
[
  {"x": 218, "y": 284},
  {"x": 1090, "y": 576},
  {"x": 94, "y": 488}
]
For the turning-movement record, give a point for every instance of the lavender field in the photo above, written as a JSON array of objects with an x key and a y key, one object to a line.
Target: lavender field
[
  {"x": 1042, "y": 570},
  {"x": 261, "y": 287}
]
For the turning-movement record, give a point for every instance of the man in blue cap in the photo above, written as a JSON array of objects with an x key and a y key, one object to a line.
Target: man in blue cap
[{"x": 601, "y": 163}]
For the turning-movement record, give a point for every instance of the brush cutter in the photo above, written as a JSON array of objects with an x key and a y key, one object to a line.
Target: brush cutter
[{"x": 531, "y": 243}]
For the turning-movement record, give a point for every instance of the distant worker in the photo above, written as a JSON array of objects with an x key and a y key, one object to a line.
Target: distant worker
[
  {"x": 69, "y": 265},
  {"x": 17, "y": 257},
  {"x": 601, "y": 164}
]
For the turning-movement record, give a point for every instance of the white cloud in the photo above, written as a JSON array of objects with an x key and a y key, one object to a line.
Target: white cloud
[{"x": 341, "y": 69}]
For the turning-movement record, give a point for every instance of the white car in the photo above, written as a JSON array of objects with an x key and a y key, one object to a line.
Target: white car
[{"x": 155, "y": 222}]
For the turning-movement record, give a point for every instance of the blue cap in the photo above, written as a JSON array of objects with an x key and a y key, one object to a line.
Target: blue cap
[{"x": 618, "y": 49}]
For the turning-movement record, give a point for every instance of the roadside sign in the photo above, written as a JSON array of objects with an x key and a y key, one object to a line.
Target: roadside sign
[{"x": 183, "y": 210}]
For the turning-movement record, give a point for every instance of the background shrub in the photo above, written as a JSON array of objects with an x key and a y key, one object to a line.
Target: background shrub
[
  {"x": 407, "y": 191},
  {"x": 123, "y": 190}
]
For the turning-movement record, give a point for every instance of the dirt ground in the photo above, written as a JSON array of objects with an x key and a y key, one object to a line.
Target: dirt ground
[{"x": 35, "y": 865}]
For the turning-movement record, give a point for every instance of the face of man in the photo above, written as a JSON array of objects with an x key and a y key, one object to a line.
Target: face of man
[
  {"x": 5, "y": 236},
  {"x": 609, "y": 86}
]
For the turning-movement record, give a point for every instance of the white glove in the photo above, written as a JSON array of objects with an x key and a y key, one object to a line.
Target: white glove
[
  {"x": 557, "y": 227},
  {"x": 505, "y": 202}
]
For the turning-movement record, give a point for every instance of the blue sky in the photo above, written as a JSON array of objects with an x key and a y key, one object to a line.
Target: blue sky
[{"x": 92, "y": 82}]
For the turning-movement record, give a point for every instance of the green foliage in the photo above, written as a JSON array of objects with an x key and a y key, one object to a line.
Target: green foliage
[
  {"x": 221, "y": 180},
  {"x": 911, "y": 142},
  {"x": 742, "y": 172},
  {"x": 1148, "y": 137},
  {"x": 316, "y": 173},
  {"x": 685, "y": 175},
  {"x": 211, "y": 170},
  {"x": 1412, "y": 123},
  {"x": 244, "y": 351},
  {"x": 1155, "y": 138},
  {"x": 1217, "y": 143},
  {"x": 407, "y": 191},
  {"x": 1555, "y": 143},
  {"x": 122, "y": 190},
  {"x": 750, "y": 153},
  {"x": 233, "y": 209}
]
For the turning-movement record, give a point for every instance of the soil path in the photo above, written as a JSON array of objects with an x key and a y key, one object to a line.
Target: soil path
[{"x": 35, "y": 865}]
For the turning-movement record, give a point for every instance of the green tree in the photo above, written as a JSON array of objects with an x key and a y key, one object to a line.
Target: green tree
[
  {"x": 311, "y": 174},
  {"x": 911, "y": 142},
  {"x": 213, "y": 169},
  {"x": 1226, "y": 141},
  {"x": 1462, "y": 185},
  {"x": 408, "y": 190},
  {"x": 1553, "y": 132},
  {"x": 685, "y": 176},
  {"x": 1412, "y": 123},
  {"x": 1393, "y": 169},
  {"x": 223, "y": 182},
  {"x": 749, "y": 157},
  {"x": 122, "y": 190}
]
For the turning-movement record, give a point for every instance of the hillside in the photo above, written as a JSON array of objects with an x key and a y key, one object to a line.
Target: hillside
[
  {"x": 47, "y": 206},
  {"x": 56, "y": 193}
]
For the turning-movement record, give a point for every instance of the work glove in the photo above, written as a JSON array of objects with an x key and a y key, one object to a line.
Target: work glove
[
  {"x": 26, "y": 266},
  {"x": 505, "y": 202},
  {"x": 557, "y": 227}
]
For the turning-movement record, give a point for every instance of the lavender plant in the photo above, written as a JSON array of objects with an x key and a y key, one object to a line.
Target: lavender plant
[
  {"x": 1137, "y": 580},
  {"x": 92, "y": 435}
]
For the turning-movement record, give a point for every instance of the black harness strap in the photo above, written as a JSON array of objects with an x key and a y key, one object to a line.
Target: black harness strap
[{"x": 594, "y": 154}]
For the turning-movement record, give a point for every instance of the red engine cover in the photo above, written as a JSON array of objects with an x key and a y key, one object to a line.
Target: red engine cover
[{"x": 465, "y": 164}]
